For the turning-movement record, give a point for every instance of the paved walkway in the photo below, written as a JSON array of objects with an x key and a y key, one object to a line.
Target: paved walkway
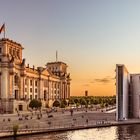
[{"x": 39, "y": 121}]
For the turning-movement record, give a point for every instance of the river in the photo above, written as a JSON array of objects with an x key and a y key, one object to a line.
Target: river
[{"x": 125, "y": 132}]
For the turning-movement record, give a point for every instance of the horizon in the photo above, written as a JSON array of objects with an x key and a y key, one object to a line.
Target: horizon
[{"x": 91, "y": 37}]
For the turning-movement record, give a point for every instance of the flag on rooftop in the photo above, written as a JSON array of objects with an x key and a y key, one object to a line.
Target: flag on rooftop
[{"x": 2, "y": 29}]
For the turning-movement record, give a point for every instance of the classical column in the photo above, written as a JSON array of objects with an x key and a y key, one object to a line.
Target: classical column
[
  {"x": 33, "y": 88},
  {"x": 52, "y": 90},
  {"x": 11, "y": 86},
  {"x": 40, "y": 88},
  {"x": 21, "y": 87},
  {"x": 5, "y": 89},
  {"x": 4, "y": 83},
  {"x": 64, "y": 90},
  {"x": 28, "y": 87},
  {"x": 48, "y": 88}
]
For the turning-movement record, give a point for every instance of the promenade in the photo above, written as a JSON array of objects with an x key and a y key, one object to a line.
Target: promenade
[{"x": 42, "y": 122}]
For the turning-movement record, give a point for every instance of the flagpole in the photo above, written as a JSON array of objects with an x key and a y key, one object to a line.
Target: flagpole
[{"x": 56, "y": 56}]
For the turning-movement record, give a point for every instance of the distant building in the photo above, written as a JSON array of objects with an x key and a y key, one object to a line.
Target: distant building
[
  {"x": 86, "y": 93},
  {"x": 127, "y": 94},
  {"x": 19, "y": 83}
]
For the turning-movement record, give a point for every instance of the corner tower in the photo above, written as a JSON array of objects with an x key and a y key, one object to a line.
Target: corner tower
[
  {"x": 59, "y": 69},
  {"x": 10, "y": 64}
]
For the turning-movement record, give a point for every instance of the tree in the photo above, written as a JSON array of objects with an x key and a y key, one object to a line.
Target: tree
[
  {"x": 56, "y": 103},
  {"x": 102, "y": 105},
  {"x": 88, "y": 100},
  {"x": 76, "y": 100},
  {"x": 35, "y": 104},
  {"x": 64, "y": 102},
  {"x": 15, "y": 129},
  {"x": 83, "y": 101},
  {"x": 62, "y": 105},
  {"x": 71, "y": 101}
]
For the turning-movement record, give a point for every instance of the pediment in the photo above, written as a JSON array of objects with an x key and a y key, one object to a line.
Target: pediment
[{"x": 45, "y": 72}]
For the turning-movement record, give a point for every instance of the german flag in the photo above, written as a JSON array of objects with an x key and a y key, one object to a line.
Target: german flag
[{"x": 2, "y": 29}]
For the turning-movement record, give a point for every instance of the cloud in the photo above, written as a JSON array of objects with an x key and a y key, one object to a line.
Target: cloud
[{"x": 104, "y": 80}]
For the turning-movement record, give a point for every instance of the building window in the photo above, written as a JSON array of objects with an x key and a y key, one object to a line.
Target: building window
[
  {"x": 45, "y": 94},
  {"x": 20, "y": 107},
  {"x": 25, "y": 97},
  {"x": 13, "y": 52},
  {"x": 36, "y": 83},
  {"x": 16, "y": 79},
  {"x": 30, "y": 97},
  {"x": 18, "y": 55},
  {"x": 30, "y": 89},
  {"x": 16, "y": 94},
  {"x": 36, "y": 97},
  {"x": 25, "y": 89},
  {"x": 31, "y": 82},
  {"x": 36, "y": 90},
  {"x": 55, "y": 85},
  {"x": 0, "y": 50},
  {"x": 26, "y": 81},
  {"x": 10, "y": 51}
]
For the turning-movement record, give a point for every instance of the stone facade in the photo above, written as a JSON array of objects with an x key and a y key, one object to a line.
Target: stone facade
[
  {"x": 19, "y": 83},
  {"x": 127, "y": 94}
]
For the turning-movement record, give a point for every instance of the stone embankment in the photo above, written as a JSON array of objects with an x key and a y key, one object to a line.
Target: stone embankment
[{"x": 37, "y": 123}]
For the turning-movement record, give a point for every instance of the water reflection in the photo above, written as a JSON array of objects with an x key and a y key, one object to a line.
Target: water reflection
[
  {"x": 125, "y": 132},
  {"x": 130, "y": 132}
]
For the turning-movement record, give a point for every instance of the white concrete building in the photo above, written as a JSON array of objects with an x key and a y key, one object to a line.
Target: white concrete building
[
  {"x": 20, "y": 83},
  {"x": 127, "y": 94}
]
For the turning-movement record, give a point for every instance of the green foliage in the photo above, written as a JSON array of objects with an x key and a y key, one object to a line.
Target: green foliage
[
  {"x": 62, "y": 105},
  {"x": 71, "y": 101},
  {"x": 64, "y": 102},
  {"x": 56, "y": 103},
  {"x": 93, "y": 100},
  {"x": 106, "y": 104},
  {"x": 35, "y": 104},
  {"x": 15, "y": 129},
  {"x": 83, "y": 101},
  {"x": 76, "y": 100},
  {"x": 102, "y": 105},
  {"x": 77, "y": 104}
]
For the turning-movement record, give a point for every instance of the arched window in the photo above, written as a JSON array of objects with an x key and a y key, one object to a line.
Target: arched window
[
  {"x": 18, "y": 54},
  {"x": 16, "y": 79},
  {"x": 45, "y": 95}
]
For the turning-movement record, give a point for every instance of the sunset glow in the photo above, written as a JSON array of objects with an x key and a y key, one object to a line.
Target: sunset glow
[{"x": 91, "y": 36}]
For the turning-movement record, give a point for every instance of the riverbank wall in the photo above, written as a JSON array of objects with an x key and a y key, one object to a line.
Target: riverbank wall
[{"x": 88, "y": 126}]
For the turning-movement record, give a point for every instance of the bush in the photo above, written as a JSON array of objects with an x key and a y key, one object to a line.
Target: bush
[
  {"x": 15, "y": 129},
  {"x": 62, "y": 105},
  {"x": 56, "y": 104},
  {"x": 35, "y": 104},
  {"x": 64, "y": 102},
  {"x": 76, "y": 101},
  {"x": 71, "y": 101},
  {"x": 83, "y": 101}
]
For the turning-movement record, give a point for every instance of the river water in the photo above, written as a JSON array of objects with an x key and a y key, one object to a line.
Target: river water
[{"x": 125, "y": 132}]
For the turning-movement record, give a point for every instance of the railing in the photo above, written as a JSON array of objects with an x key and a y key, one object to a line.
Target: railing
[{"x": 39, "y": 128}]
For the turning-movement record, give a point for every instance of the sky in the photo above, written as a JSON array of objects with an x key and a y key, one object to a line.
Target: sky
[{"x": 91, "y": 36}]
